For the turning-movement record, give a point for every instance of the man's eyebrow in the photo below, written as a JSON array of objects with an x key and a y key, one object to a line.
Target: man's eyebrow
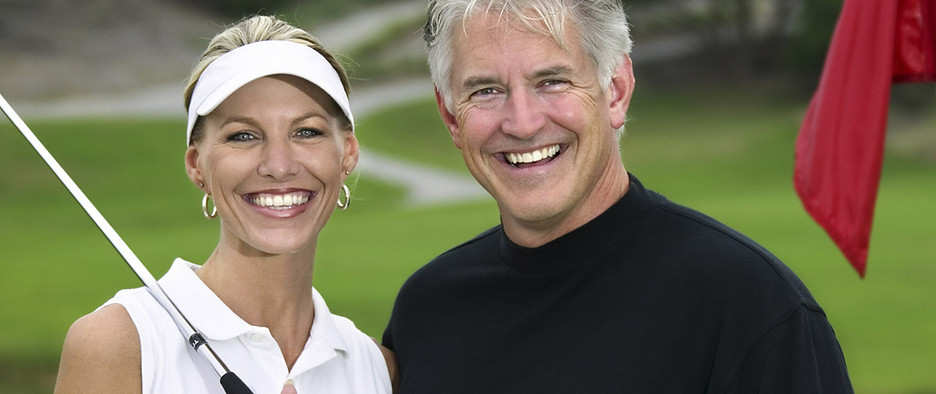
[
  {"x": 474, "y": 82},
  {"x": 552, "y": 71}
]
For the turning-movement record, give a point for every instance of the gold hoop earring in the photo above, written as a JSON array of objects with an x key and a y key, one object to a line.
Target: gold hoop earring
[
  {"x": 347, "y": 195},
  {"x": 204, "y": 207}
]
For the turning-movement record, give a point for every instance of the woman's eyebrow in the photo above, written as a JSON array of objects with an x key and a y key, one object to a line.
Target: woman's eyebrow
[{"x": 239, "y": 119}]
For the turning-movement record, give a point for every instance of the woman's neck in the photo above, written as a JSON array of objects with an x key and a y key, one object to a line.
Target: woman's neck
[{"x": 273, "y": 291}]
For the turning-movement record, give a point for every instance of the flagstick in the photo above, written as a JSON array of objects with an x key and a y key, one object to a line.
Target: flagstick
[{"x": 232, "y": 384}]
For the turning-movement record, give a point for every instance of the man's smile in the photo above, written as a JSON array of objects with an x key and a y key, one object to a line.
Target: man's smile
[{"x": 520, "y": 158}]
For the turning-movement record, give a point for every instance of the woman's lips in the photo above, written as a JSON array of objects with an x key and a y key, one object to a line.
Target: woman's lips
[{"x": 279, "y": 200}]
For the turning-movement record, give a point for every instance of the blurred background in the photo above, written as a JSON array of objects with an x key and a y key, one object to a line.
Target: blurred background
[{"x": 722, "y": 86}]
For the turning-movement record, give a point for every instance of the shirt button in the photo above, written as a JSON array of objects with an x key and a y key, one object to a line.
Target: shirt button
[{"x": 256, "y": 338}]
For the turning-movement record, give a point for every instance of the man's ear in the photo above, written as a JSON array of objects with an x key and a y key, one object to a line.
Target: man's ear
[
  {"x": 620, "y": 92},
  {"x": 192, "y": 170},
  {"x": 449, "y": 119}
]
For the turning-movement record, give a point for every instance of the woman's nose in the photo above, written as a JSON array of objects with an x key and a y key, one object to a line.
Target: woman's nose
[{"x": 279, "y": 161}]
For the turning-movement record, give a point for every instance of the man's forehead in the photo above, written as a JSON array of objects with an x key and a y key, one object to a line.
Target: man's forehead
[
  {"x": 488, "y": 33},
  {"x": 495, "y": 25}
]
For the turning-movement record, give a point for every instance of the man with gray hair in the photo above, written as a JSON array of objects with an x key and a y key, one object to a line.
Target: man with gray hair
[{"x": 592, "y": 283}]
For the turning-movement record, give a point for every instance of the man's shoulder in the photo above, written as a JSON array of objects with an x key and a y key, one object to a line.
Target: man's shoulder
[
  {"x": 482, "y": 244},
  {"x": 716, "y": 235},
  {"x": 453, "y": 261},
  {"x": 721, "y": 255}
]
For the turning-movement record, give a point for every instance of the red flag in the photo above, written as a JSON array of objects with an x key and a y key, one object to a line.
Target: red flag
[{"x": 840, "y": 146}]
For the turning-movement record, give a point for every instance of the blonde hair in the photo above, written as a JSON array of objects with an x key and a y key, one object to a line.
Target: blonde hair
[{"x": 249, "y": 30}]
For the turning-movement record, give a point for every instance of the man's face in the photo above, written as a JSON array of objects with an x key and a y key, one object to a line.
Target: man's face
[{"x": 535, "y": 128}]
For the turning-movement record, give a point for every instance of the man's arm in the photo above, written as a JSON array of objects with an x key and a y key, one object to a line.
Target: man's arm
[{"x": 798, "y": 355}]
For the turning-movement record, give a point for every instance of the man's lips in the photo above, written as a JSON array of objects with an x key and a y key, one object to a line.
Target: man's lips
[
  {"x": 520, "y": 158},
  {"x": 279, "y": 200}
]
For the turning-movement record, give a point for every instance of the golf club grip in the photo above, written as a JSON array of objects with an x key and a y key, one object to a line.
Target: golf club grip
[{"x": 234, "y": 385}]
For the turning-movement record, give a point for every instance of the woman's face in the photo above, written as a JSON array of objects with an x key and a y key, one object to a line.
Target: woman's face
[{"x": 273, "y": 158}]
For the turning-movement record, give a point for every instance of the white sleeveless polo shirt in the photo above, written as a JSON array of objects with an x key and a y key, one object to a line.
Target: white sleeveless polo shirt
[{"x": 337, "y": 358}]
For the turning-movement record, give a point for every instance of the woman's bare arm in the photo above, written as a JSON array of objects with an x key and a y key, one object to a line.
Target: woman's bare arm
[{"x": 101, "y": 354}]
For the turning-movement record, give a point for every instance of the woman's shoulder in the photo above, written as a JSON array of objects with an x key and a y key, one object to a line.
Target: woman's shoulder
[
  {"x": 108, "y": 331},
  {"x": 101, "y": 353}
]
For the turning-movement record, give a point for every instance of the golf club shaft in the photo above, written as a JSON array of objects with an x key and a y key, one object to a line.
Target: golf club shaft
[{"x": 185, "y": 327}]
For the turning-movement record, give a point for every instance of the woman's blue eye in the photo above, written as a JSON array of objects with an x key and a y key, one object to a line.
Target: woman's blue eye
[
  {"x": 240, "y": 137},
  {"x": 308, "y": 133}
]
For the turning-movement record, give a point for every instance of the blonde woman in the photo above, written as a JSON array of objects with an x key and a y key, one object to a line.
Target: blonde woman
[{"x": 270, "y": 142}]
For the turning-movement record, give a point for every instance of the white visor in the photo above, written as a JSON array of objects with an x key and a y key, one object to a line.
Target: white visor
[{"x": 243, "y": 64}]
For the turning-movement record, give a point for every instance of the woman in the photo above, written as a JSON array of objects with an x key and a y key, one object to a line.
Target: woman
[{"x": 270, "y": 142}]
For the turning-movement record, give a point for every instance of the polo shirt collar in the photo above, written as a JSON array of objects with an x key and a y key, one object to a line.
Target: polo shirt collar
[
  {"x": 216, "y": 322},
  {"x": 324, "y": 327}
]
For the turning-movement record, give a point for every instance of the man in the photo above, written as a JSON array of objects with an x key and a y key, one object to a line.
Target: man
[{"x": 592, "y": 283}]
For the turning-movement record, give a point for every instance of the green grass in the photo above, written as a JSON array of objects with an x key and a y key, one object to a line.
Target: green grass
[
  {"x": 412, "y": 131},
  {"x": 726, "y": 153}
]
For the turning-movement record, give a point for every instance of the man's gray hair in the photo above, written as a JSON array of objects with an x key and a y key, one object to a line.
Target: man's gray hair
[{"x": 602, "y": 26}]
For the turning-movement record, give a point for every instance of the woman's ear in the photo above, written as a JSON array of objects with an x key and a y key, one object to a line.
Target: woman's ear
[
  {"x": 191, "y": 168},
  {"x": 449, "y": 119},
  {"x": 620, "y": 91},
  {"x": 352, "y": 152}
]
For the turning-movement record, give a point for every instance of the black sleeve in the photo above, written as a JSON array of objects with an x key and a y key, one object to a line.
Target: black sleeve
[
  {"x": 798, "y": 355},
  {"x": 387, "y": 339}
]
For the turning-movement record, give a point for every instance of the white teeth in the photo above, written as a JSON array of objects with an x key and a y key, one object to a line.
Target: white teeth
[
  {"x": 532, "y": 157},
  {"x": 281, "y": 201}
]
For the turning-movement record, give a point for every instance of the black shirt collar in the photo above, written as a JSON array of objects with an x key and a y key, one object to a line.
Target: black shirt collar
[{"x": 613, "y": 227}]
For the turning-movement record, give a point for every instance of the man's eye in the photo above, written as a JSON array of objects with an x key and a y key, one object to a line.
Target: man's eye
[
  {"x": 554, "y": 83},
  {"x": 486, "y": 92}
]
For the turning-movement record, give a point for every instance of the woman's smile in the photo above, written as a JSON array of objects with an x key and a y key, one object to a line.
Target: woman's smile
[
  {"x": 281, "y": 204},
  {"x": 279, "y": 200}
]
